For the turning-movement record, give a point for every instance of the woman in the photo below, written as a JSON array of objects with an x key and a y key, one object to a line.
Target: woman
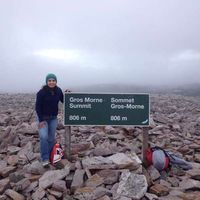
[{"x": 47, "y": 110}]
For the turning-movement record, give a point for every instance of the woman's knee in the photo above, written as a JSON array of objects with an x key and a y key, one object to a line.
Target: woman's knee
[
  {"x": 43, "y": 133},
  {"x": 53, "y": 126},
  {"x": 53, "y": 123}
]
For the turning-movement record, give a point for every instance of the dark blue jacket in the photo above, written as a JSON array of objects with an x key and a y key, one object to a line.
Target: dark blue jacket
[{"x": 47, "y": 103}]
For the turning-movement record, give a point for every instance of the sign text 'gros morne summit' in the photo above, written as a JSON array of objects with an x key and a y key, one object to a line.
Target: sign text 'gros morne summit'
[{"x": 106, "y": 109}]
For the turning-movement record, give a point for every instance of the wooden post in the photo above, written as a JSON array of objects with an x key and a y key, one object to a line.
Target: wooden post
[
  {"x": 68, "y": 142},
  {"x": 145, "y": 141}
]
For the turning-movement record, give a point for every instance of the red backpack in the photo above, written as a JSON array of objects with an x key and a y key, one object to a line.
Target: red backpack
[
  {"x": 153, "y": 156},
  {"x": 148, "y": 155},
  {"x": 56, "y": 153}
]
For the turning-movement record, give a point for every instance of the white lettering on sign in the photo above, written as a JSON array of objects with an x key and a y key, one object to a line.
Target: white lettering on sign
[
  {"x": 118, "y": 118},
  {"x": 131, "y": 106},
  {"x": 115, "y": 100},
  {"x": 77, "y": 118},
  {"x": 71, "y": 105},
  {"x": 127, "y": 106},
  {"x": 77, "y": 100},
  {"x": 92, "y": 100},
  {"x": 114, "y": 106}
]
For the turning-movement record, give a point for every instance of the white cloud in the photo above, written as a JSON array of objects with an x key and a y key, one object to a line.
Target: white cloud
[
  {"x": 59, "y": 54},
  {"x": 186, "y": 56}
]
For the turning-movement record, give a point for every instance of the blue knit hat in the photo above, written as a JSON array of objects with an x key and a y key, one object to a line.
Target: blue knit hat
[{"x": 51, "y": 76}]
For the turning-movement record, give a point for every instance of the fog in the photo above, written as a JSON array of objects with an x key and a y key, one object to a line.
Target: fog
[{"x": 99, "y": 42}]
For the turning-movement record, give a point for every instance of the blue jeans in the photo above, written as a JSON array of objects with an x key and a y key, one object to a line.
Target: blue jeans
[{"x": 47, "y": 138}]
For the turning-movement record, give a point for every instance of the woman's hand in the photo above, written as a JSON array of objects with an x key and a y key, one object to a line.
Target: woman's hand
[
  {"x": 67, "y": 90},
  {"x": 41, "y": 124}
]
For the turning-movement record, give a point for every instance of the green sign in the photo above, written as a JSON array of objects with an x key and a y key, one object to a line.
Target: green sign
[{"x": 106, "y": 109}]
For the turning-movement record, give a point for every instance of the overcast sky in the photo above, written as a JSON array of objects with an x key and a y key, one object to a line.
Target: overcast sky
[{"x": 91, "y": 42}]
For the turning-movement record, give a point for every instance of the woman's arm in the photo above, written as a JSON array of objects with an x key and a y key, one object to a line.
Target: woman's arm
[
  {"x": 61, "y": 96},
  {"x": 38, "y": 106}
]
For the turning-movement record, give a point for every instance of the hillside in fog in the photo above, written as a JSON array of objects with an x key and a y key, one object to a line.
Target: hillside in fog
[{"x": 187, "y": 90}]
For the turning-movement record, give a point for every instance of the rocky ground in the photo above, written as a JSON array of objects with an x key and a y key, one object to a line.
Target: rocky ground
[{"x": 106, "y": 161}]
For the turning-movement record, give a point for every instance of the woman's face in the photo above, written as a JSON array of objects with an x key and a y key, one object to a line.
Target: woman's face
[{"x": 51, "y": 83}]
